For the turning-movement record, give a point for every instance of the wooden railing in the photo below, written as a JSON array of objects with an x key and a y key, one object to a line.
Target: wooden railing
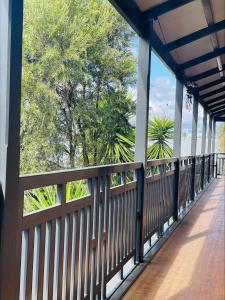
[
  {"x": 185, "y": 182},
  {"x": 73, "y": 249},
  {"x": 76, "y": 247},
  {"x": 160, "y": 195},
  {"x": 220, "y": 164}
]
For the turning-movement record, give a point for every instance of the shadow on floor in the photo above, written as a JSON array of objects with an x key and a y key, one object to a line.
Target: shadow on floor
[{"x": 190, "y": 265}]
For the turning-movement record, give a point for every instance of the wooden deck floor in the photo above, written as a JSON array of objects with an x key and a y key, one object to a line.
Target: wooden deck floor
[{"x": 190, "y": 265}]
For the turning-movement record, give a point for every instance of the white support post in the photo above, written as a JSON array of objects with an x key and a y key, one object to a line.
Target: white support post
[
  {"x": 178, "y": 119},
  {"x": 141, "y": 139},
  {"x": 214, "y": 137},
  {"x": 204, "y": 129},
  {"x": 194, "y": 133},
  {"x": 210, "y": 136},
  {"x": 142, "y": 107}
]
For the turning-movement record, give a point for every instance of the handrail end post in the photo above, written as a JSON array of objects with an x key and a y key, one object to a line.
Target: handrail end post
[
  {"x": 193, "y": 170},
  {"x": 176, "y": 192},
  {"x": 139, "y": 215}
]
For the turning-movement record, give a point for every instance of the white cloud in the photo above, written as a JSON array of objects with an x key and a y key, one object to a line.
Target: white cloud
[
  {"x": 162, "y": 103},
  {"x": 162, "y": 95}
]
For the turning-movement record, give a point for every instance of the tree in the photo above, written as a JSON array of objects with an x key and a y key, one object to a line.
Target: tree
[
  {"x": 78, "y": 67},
  {"x": 160, "y": 131}
]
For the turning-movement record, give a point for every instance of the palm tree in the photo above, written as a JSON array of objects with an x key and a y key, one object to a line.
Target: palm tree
[
  {"x": 45, "y": 197},
  {"x": 160, "y": 131},
  {"x": 119, "y": 149}
]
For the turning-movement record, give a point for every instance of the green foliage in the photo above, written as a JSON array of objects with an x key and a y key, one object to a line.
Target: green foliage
[
  {"x": 221, "y": 139},
  {"x": 45, "y": 197},
  {"x": 76, "y": 190},
  {"x": 160, "y": 131},
  {"x": 39, "y": 199},
  {"x": 119, "y": 149},
  {"x": 78, "y": 67}
]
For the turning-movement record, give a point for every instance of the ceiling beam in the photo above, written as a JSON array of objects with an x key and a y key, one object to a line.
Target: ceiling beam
[
  {"x": 211, "y": 84},
  {"x": 217, "y": 103},
  {"x": 214, "y": 100},
  {"x": 217, "y": 108},
  {"x": 219, "y": 113},
  {"x": 203, "y": 58},
  {"x": 220, "y": 119},
  {"x": 208, "y": 11},
  {"x": 213, "y": 93},
  {"x": 195, "y": 36},
  {"x": 206, "y": 74},
  {"x": 156, "y": 11}
]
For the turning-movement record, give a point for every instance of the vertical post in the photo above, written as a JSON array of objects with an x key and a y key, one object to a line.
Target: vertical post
[
  {"x": 177, "y": 141},
  {"x": 178, "y": 119},
  {"x": 194, "y": 145},
  {"x": 214, "y": 148},
  {"x": 209, "y": 167},
  {"x": 209, "y": 148},
  {"x": 210, "y": 136},
  {"x": 139, "y": 216},
  {"x": 193, "y": 171},
  {"x": 216, "y": 165},
  {"x": 176, "y": 192},
  {"x": 204, "y": 128},
  {"x": 203, "y": 149},
  {"x": 141, "y": 139},
  {"x": 142, "y": 106},
  {"x": 194, "y": 127},
  {"x": 202, "y": 172},
  {"x": 213, "y": 165},
  {"x": 162, "y": 170},
  {"x": 11, "y": 19},
  {"x": 214, "y": 136}
]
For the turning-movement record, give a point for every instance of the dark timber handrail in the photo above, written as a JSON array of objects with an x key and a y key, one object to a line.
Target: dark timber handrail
[
  {"x": 84, "y": 243},
  {"x": 50, "y": 178}
]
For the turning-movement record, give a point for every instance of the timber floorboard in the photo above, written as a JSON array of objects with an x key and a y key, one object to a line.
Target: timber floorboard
[{"x": 190, "y": 265}]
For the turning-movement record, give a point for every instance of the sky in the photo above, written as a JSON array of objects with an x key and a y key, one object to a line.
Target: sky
[
  {"x": 162, "y": 90},
  {"x": 162, "y": 100},
  {"x": 162, "y": 93}
]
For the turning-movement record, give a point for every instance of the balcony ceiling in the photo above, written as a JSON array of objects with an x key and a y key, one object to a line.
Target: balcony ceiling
[{"x": 189, "y": 35}]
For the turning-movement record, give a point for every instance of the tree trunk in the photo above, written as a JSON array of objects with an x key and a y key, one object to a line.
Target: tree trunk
[
  {"x": 95, "y": 160},
  {"x": 83, "y": 142}
]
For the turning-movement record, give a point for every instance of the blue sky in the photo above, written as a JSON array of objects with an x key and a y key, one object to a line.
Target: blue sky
[
  {"x": 162, "y": 99},
  {"x": 159, "y": 69},
  {"x": 162, "y": 102},
  {"x": 162, "y": 94},
  {"x": 162, "y": 90}
]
